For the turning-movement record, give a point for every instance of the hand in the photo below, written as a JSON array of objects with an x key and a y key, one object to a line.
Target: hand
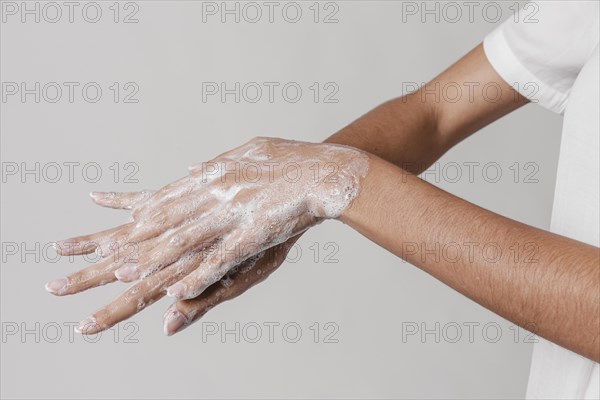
[
  {"x": 183, "y": 313},
  {"x": 190, "y": 233}
]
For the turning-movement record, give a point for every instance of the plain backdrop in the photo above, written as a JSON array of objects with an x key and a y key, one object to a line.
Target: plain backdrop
[{"x": 349, "y": 308}]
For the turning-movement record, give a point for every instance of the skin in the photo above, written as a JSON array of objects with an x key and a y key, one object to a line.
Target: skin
[
  {"x": 403, "y": 137},
  {"x": 191, "y": 233}
]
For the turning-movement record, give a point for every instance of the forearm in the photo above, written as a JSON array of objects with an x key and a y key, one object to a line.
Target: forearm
[
  {"x": 536, "y": 279},
  {"x": 415, "y": 130},
  {"x": 402, "y": 131}
]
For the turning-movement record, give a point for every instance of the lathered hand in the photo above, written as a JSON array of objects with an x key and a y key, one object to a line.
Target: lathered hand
[{"x": 223, "y": 216}]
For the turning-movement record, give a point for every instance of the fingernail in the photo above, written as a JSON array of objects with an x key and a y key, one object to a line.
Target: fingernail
[
  {"x": 127, "y": 273},
  {"x": 173, "y": 321},
  {"x": 87, "y": 326},
  {"x": 168, "y": 311},
  {"x": 57, "y": 285},
  {"x": 177, "y": 290},
  {"x": 96, "y": 195},
  {"x": 58, "y": 246}
]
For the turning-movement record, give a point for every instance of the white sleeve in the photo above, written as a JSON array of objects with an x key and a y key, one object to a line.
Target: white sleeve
[{"x": 541, "y": 49}]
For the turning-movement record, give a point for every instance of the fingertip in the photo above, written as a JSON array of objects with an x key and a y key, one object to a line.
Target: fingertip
[
  {"x": 88, "y": 326},
  {"x": 174, "y": 321},
  {"x": 57, "y": 286},
  {"x": 58, "y": 247},
  {"x": 168, "y": 310},
  {"x": 178, "y": 291},
  {"x": 192, "y": 169},
  {"x": 97, "y": 197},
  {"x": 127, "y": 274}
]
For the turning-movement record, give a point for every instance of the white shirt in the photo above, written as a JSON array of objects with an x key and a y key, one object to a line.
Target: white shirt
[{"x": 555, "y": 63}]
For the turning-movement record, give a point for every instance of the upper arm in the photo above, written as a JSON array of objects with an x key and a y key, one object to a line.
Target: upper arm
[
  {"x": 483, "y": 97},
  {"x": 535, "y": 59}
]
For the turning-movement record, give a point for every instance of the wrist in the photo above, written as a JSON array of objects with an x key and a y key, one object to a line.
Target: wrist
[{"x": 335, "y": 179}]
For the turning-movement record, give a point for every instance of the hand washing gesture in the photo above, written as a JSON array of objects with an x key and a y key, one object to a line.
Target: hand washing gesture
[{"x": 225, "y": 219}]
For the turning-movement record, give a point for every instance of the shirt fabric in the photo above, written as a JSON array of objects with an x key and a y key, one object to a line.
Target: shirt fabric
[{"x": 553, "y": 60}]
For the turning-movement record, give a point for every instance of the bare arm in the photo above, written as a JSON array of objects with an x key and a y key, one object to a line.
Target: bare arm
[
  {"x": 555, "y": 291},
  {"x": 413, "y": 132},
  {"x": 531, "y": 277}
]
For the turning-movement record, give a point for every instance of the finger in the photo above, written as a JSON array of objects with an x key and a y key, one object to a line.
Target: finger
[
  {"x": 233, "y": 154},
  {"x": 139, "y": 296},
  {"x": 167, "y": 249},
  {"x": 120, "y": 200},
  {"x": 100, "y": 273},
  {"x": 117, "y": 242},
  {"x": 194, "y": 168},
  {"x": 95, "y": 275},
  {"x": 105, "y": 243},
  {"x": 214, "y": 163},
  {"x": 183, "y": 313},
  {"x": 165, "y": 194},
  {"x": 171, "y": 213},
  {"x": 157, "y": 254},
  {"x": 133, "y": 253},
  {"x": 228, "y": 254},
  {"x": 85, "y": 244}
]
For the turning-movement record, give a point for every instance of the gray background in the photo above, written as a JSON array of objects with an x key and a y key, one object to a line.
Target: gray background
[{"x": 368, "y": 294}]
